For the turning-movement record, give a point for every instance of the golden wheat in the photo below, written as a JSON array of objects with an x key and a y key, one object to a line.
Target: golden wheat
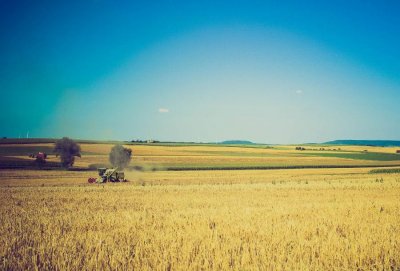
[{"x": 336, "y": 219}]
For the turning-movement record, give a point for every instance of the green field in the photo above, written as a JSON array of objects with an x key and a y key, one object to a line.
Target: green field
[
  {"x": 385, "y": 171},
  {"x": 371, "y": 156}
]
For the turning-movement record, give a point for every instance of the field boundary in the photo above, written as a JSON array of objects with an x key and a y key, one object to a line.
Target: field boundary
[
  {"x": 276, "y": 167},
  {"x": 54, "y": 167}
]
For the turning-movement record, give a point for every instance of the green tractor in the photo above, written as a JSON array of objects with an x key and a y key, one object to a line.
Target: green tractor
[{"x": 108, "y": 175}]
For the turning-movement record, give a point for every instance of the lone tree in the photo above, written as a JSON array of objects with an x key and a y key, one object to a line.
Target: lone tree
[
  {"x": 120, "y": 156},
  {"x": 67, "y": 149}
]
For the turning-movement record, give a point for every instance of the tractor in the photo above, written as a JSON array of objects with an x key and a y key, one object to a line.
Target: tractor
[
  {"x": 40, "y": 158},
  {"x": 108, "y": 175}
]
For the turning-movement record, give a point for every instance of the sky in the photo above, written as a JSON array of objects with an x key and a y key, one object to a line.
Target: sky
[{"x": 272, "y": 72}]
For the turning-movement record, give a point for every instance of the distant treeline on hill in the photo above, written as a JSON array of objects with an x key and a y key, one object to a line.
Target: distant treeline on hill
[
  {"x": 377, "y": 143},
  {"x": 144, "y": 141},
  {"x": 240, "y": 142},
  {"x": 6, "y": 140},
  {"x": 33, "y": 140},
  {"x": 227, "y": 142}
]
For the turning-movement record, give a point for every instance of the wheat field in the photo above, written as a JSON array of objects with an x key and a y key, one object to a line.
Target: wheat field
[{"x": 314, "y": 219}]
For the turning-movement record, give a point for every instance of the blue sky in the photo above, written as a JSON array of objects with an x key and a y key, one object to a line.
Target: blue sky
[{"x": 266, "y": 71}]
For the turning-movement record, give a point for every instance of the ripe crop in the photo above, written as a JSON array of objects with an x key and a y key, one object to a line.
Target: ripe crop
[{"x": 316, "y": 219}]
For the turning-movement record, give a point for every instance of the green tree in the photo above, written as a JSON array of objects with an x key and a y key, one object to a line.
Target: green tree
[
  {"x": 120, "y": 156},
  {"x": 67, "y": 149}
]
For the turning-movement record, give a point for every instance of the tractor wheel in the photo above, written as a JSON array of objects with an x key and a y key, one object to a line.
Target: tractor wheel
[{"x": 91, "y": 180}]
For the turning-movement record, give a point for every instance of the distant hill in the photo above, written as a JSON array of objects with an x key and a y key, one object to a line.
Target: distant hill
[
  {"x": 236, "y": 142},
  {"x": 382, "y": 143}
]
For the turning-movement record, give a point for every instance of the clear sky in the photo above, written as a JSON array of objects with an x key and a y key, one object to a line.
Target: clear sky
[{"x": 265, "y": 71}]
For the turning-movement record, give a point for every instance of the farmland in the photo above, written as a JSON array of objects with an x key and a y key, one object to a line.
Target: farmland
[
  {"x": 167, "y": 157},
  {"x": 212, "y": 218}
]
